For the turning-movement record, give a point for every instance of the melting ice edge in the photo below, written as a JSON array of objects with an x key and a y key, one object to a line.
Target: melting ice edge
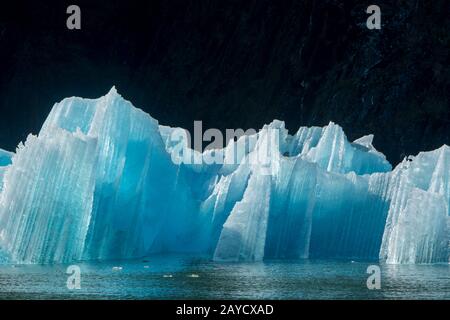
[{"x": 99, "y": 182}]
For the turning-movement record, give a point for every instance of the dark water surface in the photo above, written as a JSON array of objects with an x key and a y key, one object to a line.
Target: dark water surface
[{"x": 184, "y": 277}]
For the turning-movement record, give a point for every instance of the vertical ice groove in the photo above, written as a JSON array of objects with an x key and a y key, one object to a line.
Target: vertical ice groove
[
  {"x": 243, "y": 234},
  {"x": 46, "y": 202}
]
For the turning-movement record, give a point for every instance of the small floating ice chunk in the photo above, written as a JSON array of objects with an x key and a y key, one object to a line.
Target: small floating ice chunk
[{"x": 193, "y": 276}]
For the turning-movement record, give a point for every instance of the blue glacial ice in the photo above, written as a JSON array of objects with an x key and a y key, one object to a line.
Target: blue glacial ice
[
  {"x": 103, "y": 180},
  {"x": 5, "y": 161},
  {"x": 5, "y": 158}
]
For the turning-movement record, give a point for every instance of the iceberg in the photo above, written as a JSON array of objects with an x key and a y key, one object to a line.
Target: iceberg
[{"x": 104, "y": 180}]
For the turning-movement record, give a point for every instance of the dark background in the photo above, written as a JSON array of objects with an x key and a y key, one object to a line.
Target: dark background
[{"x": 236, "y": 64}]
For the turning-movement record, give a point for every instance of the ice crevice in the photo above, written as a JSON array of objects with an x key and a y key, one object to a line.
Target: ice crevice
[{"x": 99, "y": 181}]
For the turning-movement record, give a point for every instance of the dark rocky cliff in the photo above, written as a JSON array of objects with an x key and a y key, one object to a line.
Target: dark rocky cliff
[{"x": 237, "y": 64}]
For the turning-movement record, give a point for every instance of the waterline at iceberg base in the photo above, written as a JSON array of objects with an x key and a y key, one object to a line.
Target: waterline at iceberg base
[{"x": 99, "y": 183}]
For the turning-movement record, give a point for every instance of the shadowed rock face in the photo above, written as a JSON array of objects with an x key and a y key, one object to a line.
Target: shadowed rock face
[{"x": 237, "y": 64}]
